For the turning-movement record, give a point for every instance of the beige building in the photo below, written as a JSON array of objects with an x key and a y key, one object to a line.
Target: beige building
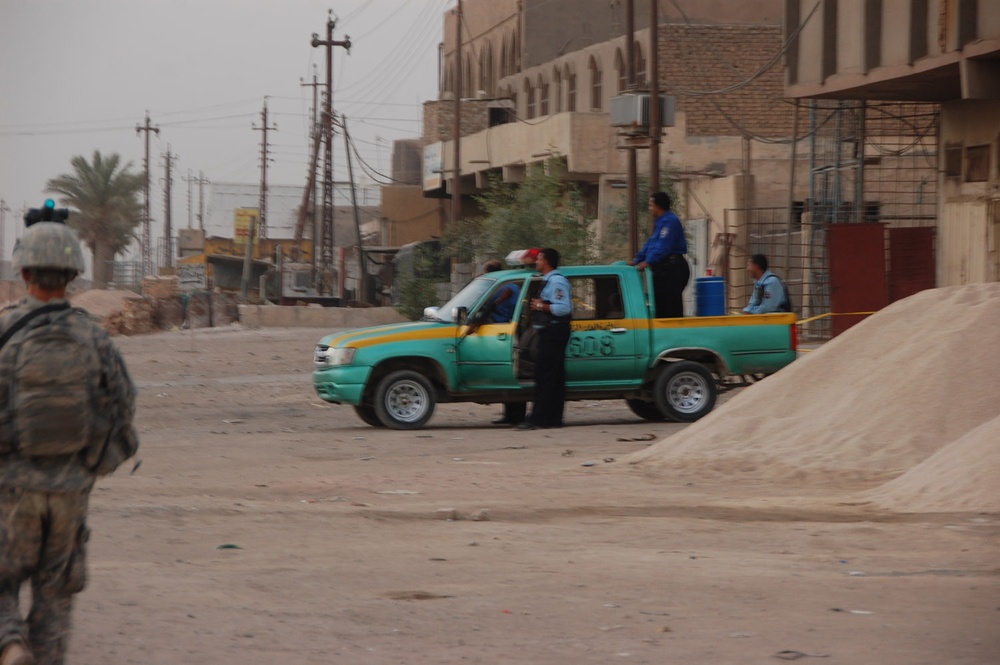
[
  {"x": 944, "y": 52},
  {"x": 538, "y": 79}
]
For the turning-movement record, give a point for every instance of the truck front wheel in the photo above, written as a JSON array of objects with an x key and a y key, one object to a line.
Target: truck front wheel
[
  {"x": 646, "y": 410},
  {"x": 367, "y": 414},
  {"x": 404, "y": 400},
  {"x": 685, "y": 391}
]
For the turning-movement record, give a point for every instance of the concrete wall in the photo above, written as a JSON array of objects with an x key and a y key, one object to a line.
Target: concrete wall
[
  {"x": 266, "y": 316},
  {"x": 969, "y": 231},
  {"x": 408, "y": 215}
]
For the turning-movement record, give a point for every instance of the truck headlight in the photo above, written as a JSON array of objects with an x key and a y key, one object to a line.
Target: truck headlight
[{"x": 328, "y": 357}]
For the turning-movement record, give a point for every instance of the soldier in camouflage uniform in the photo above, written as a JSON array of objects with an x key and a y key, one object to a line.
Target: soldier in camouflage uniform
[{"x": 43, "y": 500}]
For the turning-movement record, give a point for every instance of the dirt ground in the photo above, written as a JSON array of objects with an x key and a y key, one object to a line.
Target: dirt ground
[{"x": 264, "y": 526}]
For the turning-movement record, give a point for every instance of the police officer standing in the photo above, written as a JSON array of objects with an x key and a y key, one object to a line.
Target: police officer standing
[
  {"x": 44, "y": 492},
  {"x": 551, "y": 312},
  {"x": 663, "y": 253}
]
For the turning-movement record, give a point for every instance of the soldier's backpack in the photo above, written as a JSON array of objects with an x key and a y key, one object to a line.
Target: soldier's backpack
[{"x": 52, "y": 397}]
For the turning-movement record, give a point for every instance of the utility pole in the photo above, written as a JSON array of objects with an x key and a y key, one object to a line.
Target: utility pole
[
  {"x": 654, "y": 99},
  {"x": 456, "y": 172},
  {"x": 363, "y": 273},
  {"x": 632, "y": 176},
  {"x": 328, "y": 227},
  {"x": 188, "y": 179},
  {"x": 168, "y": 240},
  {"x": 263, "y": 129},
  {"x": 147, "y": 258},
  {"x": 202, "y": 181},
  {"x": 310, "y": 190}
]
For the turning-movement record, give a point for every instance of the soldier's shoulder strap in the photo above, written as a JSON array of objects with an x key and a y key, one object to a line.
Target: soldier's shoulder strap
[{"x": 26, "y": 319}]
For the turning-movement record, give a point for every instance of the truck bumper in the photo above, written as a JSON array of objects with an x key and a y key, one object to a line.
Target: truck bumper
[{"x": 341, "y": 385}]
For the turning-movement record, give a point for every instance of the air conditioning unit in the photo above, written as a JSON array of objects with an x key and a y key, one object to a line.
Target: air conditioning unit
[{"x": 632, "y": 110}]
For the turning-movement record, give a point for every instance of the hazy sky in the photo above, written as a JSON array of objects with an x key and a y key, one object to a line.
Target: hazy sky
[{"x": 79, "y": 75}]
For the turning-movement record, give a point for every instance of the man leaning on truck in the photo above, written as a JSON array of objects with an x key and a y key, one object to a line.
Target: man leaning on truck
[
  {"x": 769, "y": 292},
  {"x": 663, "y": 253},
  {"x": 551, "y": 313}
]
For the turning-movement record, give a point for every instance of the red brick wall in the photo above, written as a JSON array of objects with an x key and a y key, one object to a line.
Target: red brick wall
[{"x": 706, "y": 57}]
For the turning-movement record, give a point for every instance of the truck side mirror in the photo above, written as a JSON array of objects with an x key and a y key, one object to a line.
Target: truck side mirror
[{"x": 460, "y": 315}]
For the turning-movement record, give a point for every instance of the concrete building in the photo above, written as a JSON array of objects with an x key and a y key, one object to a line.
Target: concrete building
[
  {"x": 538, "y": 77},
  {"x": 938, "y": 52}
]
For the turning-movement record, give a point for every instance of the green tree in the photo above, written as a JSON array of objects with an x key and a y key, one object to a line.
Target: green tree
[
  {"x": 104, "y": 196},
  {"x": 418, "y": 279},
  {"x": 541, "y": 211}
]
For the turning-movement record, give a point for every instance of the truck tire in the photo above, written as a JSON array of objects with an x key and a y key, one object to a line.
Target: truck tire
[
  {"x": 685, "y": 391},
  {"x": 646, "y": 410},
  {"x": 404, "y": 400},
  {"x": 367, "y": 413}
]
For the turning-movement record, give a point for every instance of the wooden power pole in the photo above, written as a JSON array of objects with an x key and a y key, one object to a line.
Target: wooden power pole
[
  {"x": 147, "y": 258},
  {"x": 326, "y": 256},
  {"x": 456, "y": 172},
  {"x": 168, "y": 232},
  {"x": 262, "y": 209}
]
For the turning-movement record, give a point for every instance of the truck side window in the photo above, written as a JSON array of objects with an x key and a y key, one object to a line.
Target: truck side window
[{"x": 598, "y": 297}]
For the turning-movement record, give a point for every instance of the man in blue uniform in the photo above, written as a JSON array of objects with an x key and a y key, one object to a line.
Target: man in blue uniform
[
  {"x": 551, "y": 312},
  {"x": 501, "y": 310},
  {"x": 501, "y": 305},
  {"x": 769, "y": 292},
  {"x": 663, "y": 253}
]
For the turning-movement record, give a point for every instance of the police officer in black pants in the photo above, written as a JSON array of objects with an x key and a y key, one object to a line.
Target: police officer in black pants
[
  {"x": 663, "y": 253},
  {"x": 551, "y": 312}
]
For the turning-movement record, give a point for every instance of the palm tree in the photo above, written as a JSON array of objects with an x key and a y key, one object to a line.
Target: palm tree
[{"x": 104, "y": 197}]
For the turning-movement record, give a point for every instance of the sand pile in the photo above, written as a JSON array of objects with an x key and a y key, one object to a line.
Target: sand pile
[
  {"x": 101, "y": 303},
  {"x": 120, "y": 312},
  {"x": 917, "y": 382}
]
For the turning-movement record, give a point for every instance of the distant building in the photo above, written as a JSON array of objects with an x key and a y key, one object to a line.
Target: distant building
[{"x": 938, "y": 52}]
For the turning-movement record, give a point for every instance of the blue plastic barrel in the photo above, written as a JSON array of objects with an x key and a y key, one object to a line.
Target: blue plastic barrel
[{"x": 710, "y": 296}]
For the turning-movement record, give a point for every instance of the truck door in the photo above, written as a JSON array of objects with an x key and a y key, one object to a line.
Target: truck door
[
  {"x": 602, "y": 348},
  {"x": 485, "y": 356}
]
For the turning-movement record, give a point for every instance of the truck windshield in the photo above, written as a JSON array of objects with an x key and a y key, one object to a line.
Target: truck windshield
[{"x": 467, "y": 298}]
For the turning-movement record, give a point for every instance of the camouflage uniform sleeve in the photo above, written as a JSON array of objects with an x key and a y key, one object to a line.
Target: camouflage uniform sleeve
[{"x": 123, "y": 439}]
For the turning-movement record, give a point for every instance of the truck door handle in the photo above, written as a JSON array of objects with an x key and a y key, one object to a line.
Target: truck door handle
[
  {"x": 618, "y": 331},
  {"x": 502, "y": 336}
]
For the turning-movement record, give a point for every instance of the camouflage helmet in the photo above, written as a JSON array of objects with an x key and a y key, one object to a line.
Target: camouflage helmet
[{"x": 49, "y": 245}]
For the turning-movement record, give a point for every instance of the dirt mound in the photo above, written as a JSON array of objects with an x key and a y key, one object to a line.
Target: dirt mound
[
  {"x": 120, "y": 312},
  {"x": 101, "y": 303},
  {"x": 868, "y": 406},
  {"x": 960, "y": 477}
]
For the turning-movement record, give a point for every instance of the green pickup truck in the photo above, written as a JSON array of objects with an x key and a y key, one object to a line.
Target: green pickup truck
[{"x": 665, "y": 369}]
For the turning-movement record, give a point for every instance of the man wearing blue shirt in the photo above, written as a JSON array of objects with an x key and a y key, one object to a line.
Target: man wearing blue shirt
[
  {"x": 663, "y": 253},
  {"x": 551, "y": 312},
  {"x": 769, "y": 293}
]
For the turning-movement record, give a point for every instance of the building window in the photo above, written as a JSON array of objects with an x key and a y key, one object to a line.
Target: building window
[
  {"x": 486, "y": 70},
  {"x": 640, "y": 67},
  {"x": 595, "y": 85},
  {"x": 620, "y": 65},
  {"x": 570, "y": 90},
  {"x": 529, "y": 96},
  {"x": 953, "y": 161},
  {"x": 543, "y": 96},
  {"x": 557, "y": 91},
  {"x": 468, "y": 81},
  {"x": 977, "y": 163}
]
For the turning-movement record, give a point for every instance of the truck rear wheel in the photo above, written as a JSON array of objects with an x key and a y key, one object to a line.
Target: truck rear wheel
[
  {"x": 367, "y": 413},
  {"x": 646, "y": 410},
  {"x": 404, "y": 400},
  {"x": 685, "y": 391}
]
